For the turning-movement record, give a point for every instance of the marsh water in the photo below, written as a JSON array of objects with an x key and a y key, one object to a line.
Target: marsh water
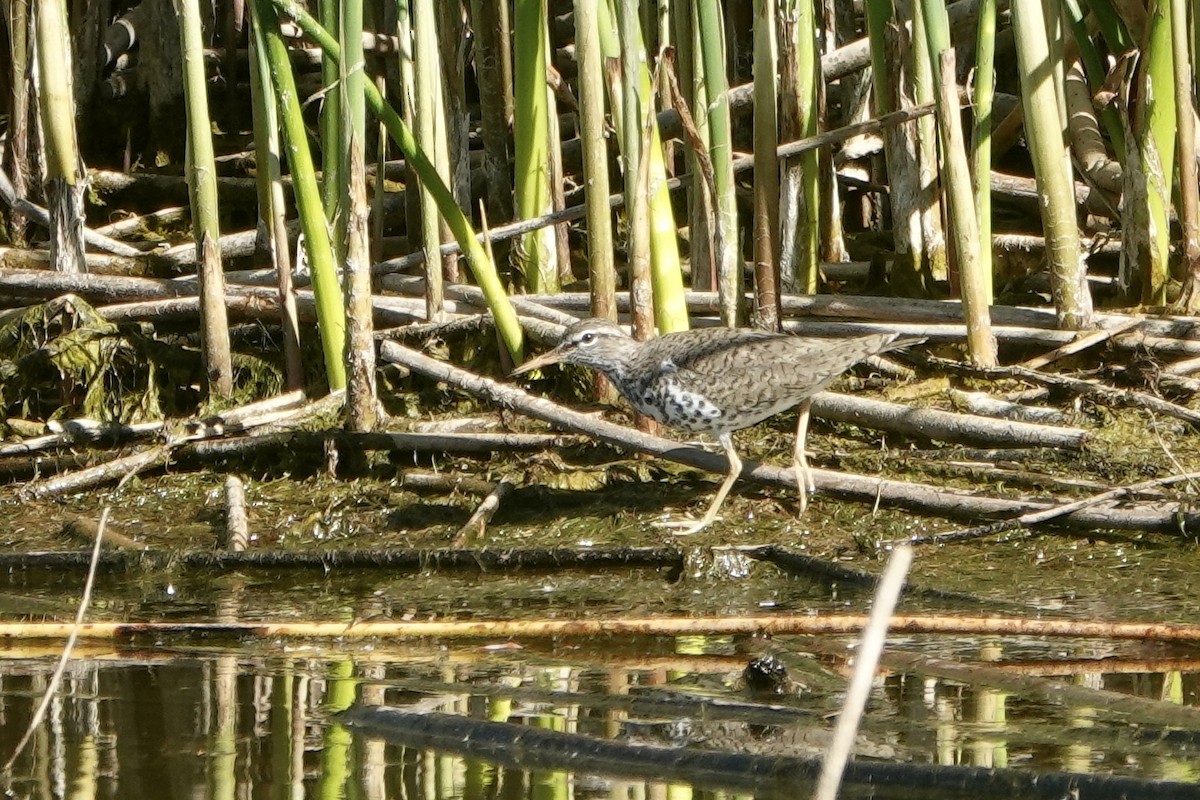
[{"x": 632, "y": 716}]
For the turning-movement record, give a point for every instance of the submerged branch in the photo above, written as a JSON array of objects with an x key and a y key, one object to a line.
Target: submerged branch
[{"x": 754, "y": 625}]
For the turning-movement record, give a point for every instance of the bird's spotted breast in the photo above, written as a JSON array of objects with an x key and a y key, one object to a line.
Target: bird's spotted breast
[{"x": 671, "y": 404}]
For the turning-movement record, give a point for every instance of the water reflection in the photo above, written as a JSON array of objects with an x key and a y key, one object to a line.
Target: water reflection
[{"x": 229, "y": 723}]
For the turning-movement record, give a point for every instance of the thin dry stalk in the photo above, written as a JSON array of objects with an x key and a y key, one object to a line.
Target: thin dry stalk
[
  {"x": 72, "y": 633},
  {"x": 870, "y": 648}
]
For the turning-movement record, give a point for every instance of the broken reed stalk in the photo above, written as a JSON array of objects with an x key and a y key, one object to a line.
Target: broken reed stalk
[
  {"x": 260, "y": 414},
  {"x": 473, "y": 529},
  {"x": 237, "y": 524},
  {"x": 755, "y": 625}
]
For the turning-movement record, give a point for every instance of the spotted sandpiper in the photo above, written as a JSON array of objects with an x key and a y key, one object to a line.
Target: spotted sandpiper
[{"x": 717, "y": 381}]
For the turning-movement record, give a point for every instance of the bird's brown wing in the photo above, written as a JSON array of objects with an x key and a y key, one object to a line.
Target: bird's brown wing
[
  {"x": 768, "y": 372},
  {"x": 705, "y": 352}
]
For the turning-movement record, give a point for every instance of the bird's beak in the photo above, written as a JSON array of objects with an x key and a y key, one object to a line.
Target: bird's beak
[{"x": 544, "y": 360}]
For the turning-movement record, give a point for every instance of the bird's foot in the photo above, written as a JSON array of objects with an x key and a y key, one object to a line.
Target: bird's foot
[{"x": 686, "y": 525}]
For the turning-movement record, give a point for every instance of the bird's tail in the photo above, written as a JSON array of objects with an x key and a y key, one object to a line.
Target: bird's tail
[{"x": 899, "y": 342}]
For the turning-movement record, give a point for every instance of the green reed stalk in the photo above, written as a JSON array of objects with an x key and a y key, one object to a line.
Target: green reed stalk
[
  {"x": 924, "y": 89},
  {"x": 1043, "y": 132},
  {"x": 601, "y": 267},
  {"x": 531, "y": 134},
  {"x": 981, "y": 135},
  {"x": 730, "y": 285},
  {"x": 333, "y": 183},
  {"x": 477, "y": 258},
  {"x": 802, "y": 119},
  {"x": 1111, "y": 26},
  {"x": 637, "y": 221},
  {"x": 331, "y": 316},
  {"x": 666, "y": 273},
  {"x": 361, "y": 402},
  {"x": 56, "y": 109},
  {"x": 271, "y": 204},
  {"x": 1156, "y": 152},
  {"x": 202, "y": 189},
  {"x": 981, "y": 344},
  {"x": 427, "y": 75}
]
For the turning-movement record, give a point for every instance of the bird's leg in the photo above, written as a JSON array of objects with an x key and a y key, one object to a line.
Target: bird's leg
[
  {"x": 710, "y": 516},
  {"x": 804, "y": 478}
]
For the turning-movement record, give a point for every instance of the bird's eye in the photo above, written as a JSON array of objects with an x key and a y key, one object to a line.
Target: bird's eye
[{"x": 587, "y": 338}]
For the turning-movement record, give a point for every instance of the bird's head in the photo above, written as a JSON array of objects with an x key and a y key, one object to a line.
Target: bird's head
[{"x": 595, "y": 343}]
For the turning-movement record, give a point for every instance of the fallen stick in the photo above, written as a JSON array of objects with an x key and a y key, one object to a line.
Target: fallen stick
[
  {"x": 292, "y": 441},
  {"x": 85, "y": 530},
  {"x": 755, "y": 625},
  {"x": 1082, "y": 343},
  {"x": 942, "y": 501},
  {"x": 943, "y": 426},
  {"x": 90, "y": 477},
  {"x": 445, "y": 483},
  {"x": 40, "y": 215},
  {"x": 414, "y": 286},
  {"x": 24, "y": 258},
  {"x": 1185, "y": 367},
  {"x": 142, "y": 222},
  {"x": 1045, "y": 515},
  {"x": 1078, "y": 386},
  {"x": 984, "y": 404},
  {"x": 105, "y": 289},
  {"x": 274, "y": 411},
  {"x": 398, "y": 560},
  {"x": 65, "y": 433}
]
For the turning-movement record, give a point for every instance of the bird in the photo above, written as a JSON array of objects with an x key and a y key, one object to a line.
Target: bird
[{"x": 716, "y": 381}]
